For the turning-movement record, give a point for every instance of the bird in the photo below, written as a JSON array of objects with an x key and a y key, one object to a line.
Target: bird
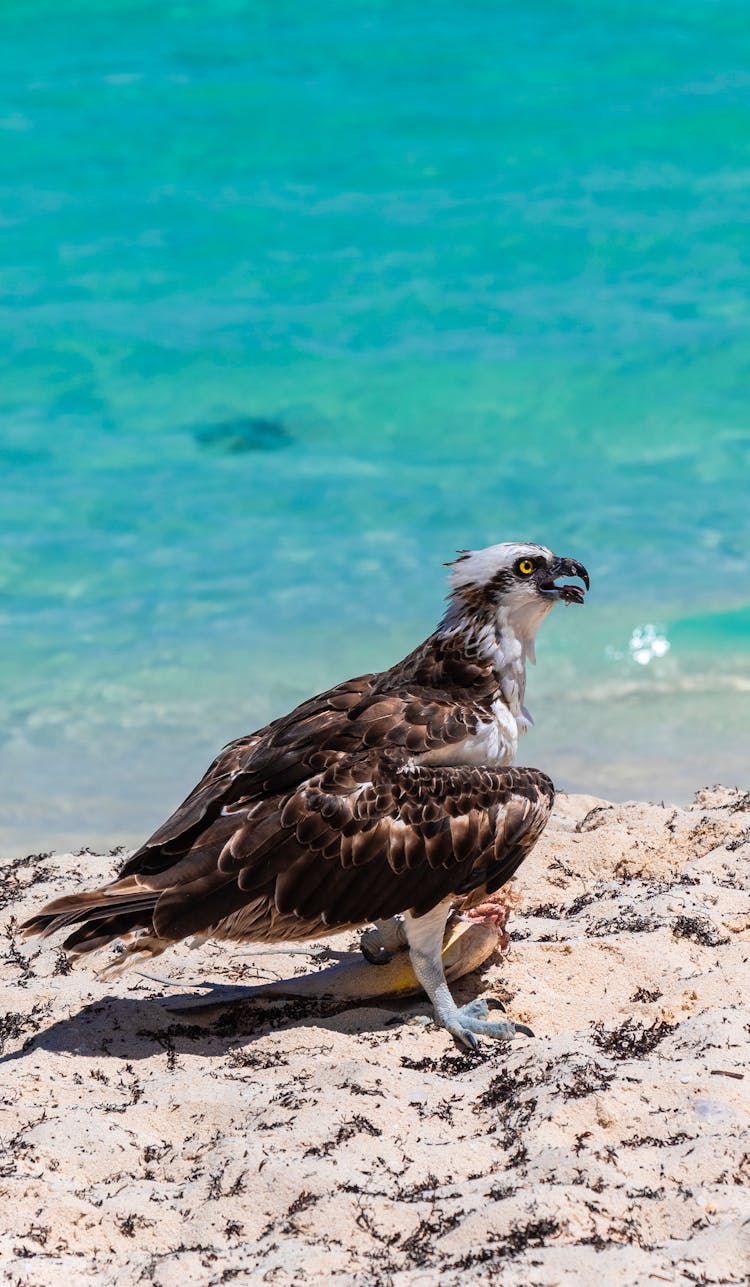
[{"x": 389, "y": 800}]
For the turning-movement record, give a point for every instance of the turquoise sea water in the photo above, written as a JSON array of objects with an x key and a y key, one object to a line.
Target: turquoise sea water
[{"x": 296, "y": 300}]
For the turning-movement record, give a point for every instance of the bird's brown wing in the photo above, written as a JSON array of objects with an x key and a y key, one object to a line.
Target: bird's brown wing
[
  {"x": 347, "y": 720},
  {"x": 361, "y": 841},
  {"x": 365, "y": 839}
]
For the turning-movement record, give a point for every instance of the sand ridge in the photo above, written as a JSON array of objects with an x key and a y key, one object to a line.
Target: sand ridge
[{"x": 303, "y": 1141}]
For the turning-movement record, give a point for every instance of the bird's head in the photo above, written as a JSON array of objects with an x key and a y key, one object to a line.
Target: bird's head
[{"x": 515, "y": 584}]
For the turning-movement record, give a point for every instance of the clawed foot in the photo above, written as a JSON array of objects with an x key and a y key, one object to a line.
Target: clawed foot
[{"x": 471, "y": 1021}]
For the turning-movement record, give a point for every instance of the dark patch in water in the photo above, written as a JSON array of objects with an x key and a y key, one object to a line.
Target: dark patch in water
[{"x": 246, "y": 433}]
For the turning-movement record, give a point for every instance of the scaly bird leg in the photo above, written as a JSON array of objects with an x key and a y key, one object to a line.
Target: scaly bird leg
[
  {"x": 425, "y": 938},
  {"x": 379, "y": 944}
]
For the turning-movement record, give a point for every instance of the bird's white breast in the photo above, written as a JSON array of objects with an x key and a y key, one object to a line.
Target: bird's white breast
[{"x": 494, "y": 744}]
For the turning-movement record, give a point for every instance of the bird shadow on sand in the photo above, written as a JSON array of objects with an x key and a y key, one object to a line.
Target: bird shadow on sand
[
  {"x": 212, "y": 1023},
  {"x": 135, "y": 1028}
]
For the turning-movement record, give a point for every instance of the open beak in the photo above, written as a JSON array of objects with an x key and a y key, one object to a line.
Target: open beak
[{"x": 565, "y": 593}]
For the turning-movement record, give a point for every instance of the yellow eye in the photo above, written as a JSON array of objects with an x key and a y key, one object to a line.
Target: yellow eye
[{"x": 526, "y": 567}]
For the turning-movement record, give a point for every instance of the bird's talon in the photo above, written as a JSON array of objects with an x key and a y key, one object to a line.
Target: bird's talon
[
  {"x": 522, "y": 1027},
  {"x": 463, "y": 1037}
]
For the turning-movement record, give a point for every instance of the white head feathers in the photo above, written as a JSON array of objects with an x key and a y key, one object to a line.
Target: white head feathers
[
  {"x": 490, "y": 601},
  {"x": 479, "y": 567}
]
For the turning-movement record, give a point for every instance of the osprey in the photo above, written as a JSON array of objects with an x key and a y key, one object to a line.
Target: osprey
[{"x": 389, "y": 799}]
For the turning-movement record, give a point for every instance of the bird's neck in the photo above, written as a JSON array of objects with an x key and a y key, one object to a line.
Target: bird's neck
[{"x": 483, "y": 654}]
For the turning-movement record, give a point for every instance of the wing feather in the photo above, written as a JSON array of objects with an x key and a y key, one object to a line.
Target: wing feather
[
  {"x": 366, "y": 839},
  {"x": 399, "y": 834},
  {"x": 341, "y": 723}
]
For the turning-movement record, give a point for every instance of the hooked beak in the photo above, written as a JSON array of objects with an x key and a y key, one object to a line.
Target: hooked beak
[{"x": 565, "y": 593}]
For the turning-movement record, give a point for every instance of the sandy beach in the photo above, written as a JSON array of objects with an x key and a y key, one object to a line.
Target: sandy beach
[{"x": 303, "y": 1142}]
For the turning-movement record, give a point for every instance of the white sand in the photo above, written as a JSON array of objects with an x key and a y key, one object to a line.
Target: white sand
[{"x": 287, "y": 1144}]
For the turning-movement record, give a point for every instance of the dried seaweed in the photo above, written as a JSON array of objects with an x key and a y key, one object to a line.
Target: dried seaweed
[
  {"x": 631, "y": 1040},
  {"x": 586, "y": 1079},
  {"x": 628, "y": 921},
  {"x": 13, "y": 886},
  {"x": 699, "y": 930},
  {"x": 14, "y": 1024},
  {"x": 646, "y": 995}
]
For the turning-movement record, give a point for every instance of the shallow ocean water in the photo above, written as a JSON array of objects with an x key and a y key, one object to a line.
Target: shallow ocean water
[{"x": 295, "y": 303}]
